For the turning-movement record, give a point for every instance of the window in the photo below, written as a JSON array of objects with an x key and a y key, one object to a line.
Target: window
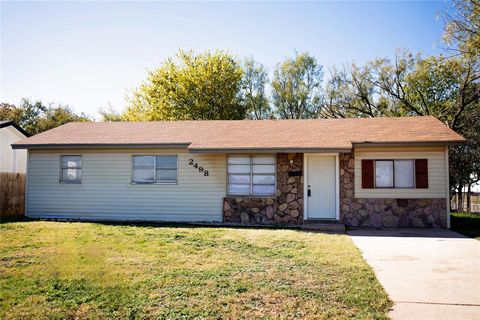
[
  {"x": 154, "y": 169},
  {"x": 404, "y": 173},
  {"x": 71, "y": 169},
  {"x": 251, "y": 175},
  {"x": 384, "y": 174},
  {"x": 394, "y": 173}
]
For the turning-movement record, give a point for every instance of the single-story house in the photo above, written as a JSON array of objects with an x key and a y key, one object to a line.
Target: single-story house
[
  {"x": 380, "y": 172},
  {"x": 12, "y": 160}
]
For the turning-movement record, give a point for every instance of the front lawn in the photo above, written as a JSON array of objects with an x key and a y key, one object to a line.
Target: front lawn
[
  {"x": 466, "y": 223},
  {"x": 84, "y": 270}
]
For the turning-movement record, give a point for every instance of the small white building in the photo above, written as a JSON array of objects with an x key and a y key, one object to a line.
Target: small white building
[{"x": 12, "y": 160}]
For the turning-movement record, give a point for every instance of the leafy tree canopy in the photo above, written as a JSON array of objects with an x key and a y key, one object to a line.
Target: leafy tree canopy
[
  {"x": 191, "y": 87},
  {"x": 462, "y": 27},
  {"x": 296, "y": 87},
  {"x": 254, "y": 96},
  {"x": 35, "y": 117}
]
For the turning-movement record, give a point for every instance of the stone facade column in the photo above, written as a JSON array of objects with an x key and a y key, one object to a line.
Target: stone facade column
[{"x": 289, "y": 188}]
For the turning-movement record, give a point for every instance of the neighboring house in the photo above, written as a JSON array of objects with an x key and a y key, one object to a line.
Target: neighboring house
[
  {"x": 380, "y": 172},
  {"x": 12, "y": 160}
]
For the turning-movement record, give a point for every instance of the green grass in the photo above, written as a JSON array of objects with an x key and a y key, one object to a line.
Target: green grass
[
  {"x": 466, "y": 223},
  {"x": 54, "y": 270}
]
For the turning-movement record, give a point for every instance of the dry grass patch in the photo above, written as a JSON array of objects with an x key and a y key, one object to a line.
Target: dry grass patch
[{"x": 86, "y": 270}]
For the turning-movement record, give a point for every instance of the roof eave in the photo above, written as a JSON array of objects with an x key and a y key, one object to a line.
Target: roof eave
[
  {"x": 409, "y": 143},
  {"x": 16, "y": 126},
  {"x": 233, "y": 150},
  {"x": 102, "y": 146},
  {"x": 269, "y": 150}
]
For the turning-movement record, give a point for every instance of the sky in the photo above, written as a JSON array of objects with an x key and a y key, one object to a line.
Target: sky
[{"x": 89, "y": 55}]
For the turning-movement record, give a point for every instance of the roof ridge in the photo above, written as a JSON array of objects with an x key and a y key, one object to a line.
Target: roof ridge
[{"x": 259, "y": 120}]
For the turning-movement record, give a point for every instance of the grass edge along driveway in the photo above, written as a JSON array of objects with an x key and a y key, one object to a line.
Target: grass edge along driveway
[
  {"x": 61, "y": 270},
  {"x": 467, "y": 224}
]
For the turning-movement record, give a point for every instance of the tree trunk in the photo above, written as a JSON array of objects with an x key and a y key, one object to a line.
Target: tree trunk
[
  {"x": 469, "y": 199},
  {"x": 452, "y": 198},
  {"x": 460, "y": 198}
]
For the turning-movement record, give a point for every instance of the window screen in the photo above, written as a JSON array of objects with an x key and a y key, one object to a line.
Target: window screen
[
  {"x": 154, "y": 169},
  {"x": 384, "y": 174},
  {"x": 71, "y": 169},
  {"x": 404, "y": 173},
  {"x": 251, "y": 175}
]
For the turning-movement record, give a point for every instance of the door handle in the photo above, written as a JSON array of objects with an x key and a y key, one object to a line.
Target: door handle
[{"x": 309, "y": 192}]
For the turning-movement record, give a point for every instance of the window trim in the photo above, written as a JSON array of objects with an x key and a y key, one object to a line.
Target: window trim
[
  {"x": 251, "y": 174},
  {"x": 393, "y": 173},
  {"x": 132, "y": 181},
  {"x": 60, "y": 178}
]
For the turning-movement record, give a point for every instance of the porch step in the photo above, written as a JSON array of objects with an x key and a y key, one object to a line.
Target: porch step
[
  {"x": 332, "y": 227},
  {"x": 321, "y": 221}
]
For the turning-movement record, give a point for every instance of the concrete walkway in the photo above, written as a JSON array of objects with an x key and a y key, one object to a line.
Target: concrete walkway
[{"x": 429, "y": 274}]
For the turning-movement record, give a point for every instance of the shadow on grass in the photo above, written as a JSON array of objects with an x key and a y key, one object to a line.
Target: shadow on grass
[
  {"x": 171, "y": 224},
  {"x": 467, "y": 224},
  {"x": 405, "y": 233},
  {"x": 463, "y": 223},
  {"x": 9, "y": 219},
  {"x": 164, "y": 224}
]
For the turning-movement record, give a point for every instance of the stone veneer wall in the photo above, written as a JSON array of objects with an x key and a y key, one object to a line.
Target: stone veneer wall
[
  {"x": 286, "y": 207},
  {"x": 388, "y": 213}
]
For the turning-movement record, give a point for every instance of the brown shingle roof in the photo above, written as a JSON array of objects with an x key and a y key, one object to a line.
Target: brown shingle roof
[{"x": 248, "y": 134}]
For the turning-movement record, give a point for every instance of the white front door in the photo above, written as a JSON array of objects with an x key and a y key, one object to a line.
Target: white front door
[{"x": 321, "y": 191}]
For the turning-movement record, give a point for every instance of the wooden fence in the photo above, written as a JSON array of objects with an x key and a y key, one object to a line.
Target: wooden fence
[{"x": 12, "y": 195}]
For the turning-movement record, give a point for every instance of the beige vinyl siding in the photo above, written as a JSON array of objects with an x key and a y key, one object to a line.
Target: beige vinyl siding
[
  {"x": 106, "y": 191},
  {"x": 11, "y": 160},
  {"x": 436, "y": 172}
]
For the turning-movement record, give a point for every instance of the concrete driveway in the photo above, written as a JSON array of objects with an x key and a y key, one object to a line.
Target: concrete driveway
[{"x": 429, "y": 274}]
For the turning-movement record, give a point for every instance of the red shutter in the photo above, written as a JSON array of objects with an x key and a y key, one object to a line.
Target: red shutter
[
  {"x": 367, "y": 174},
  {"x": 421, "y": 173}
]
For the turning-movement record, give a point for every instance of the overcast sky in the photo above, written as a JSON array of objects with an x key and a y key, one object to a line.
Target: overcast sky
[{"x": 89, "y": 54}]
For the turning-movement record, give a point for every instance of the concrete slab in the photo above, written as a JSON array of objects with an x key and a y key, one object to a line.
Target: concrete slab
[
  {"x": 332, "y": 227},
  {"x": 429, "y": 274}
]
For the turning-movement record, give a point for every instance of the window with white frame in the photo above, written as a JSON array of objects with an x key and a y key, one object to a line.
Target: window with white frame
[
  {"x": 154, "y": 169},
  {"x": 394, "y": 173},
  {"x": 251, "y": 175},
  {"x": 71, "y": 169}
]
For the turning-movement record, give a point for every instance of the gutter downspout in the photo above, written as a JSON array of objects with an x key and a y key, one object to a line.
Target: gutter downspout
[
  {"x": 25, "y": 209},
  {"x": 447, "y": 185}
]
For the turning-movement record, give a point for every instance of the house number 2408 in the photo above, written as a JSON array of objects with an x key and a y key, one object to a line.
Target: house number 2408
[{"x": 196, "y": 166}]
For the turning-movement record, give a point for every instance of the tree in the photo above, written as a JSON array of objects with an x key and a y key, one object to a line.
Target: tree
[
  {"x": 190, "y": 87},
  {"x": 409, "y": 85},
  {"x": 110, "y": 115},
  {"x": 445, "y": 87},
  {"x": 465, "y": 159},
  {"x": 37, "y": 117},
  {"x": 296, "y": 87},
  {"x": 390, "y": 78},
  {"x": 462, "y": 36},
  {"x": 462, "y": 28},
  {"x": 11, "y": 112},
  {"x": 254, "y": 98},
  {"x": 351, "y": 92}
]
